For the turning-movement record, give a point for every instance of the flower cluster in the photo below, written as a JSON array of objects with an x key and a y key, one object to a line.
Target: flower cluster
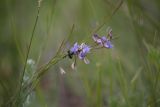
[
  {"x": 80, "y": 50},
  {"x": 102, "y": 41},
  {"x": 83, "y": 49}
]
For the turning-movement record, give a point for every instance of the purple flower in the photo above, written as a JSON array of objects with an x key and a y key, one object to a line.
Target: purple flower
[
  {"x": 108, "y": 44},
  {"x": 102, "y": 41},
  {"x": 84, "y": 50},
  {"x": 97, "y": 39},
  {"x": 75, "y": 48},
  {"x": 80, "y": 50}
]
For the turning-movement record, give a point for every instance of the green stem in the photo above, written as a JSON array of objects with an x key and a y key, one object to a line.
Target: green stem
[
  {"x": 35, "y": 79},
  {"x": 28, "y": 51},
  {"x": 105, "y": 18}
]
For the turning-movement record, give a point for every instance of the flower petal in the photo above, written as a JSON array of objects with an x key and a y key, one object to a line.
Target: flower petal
[
  {"x": 99, "y": 41},
  {"x": 86, "y": 61},
  {"x": 81, "y": 55},
  {"x": 62, "y": 71},
  {"x": 108, "y": 44},
  {"x": 104, "y": 39},
  {"x": 73, "y": 66},
  {"x": 95, "y": 37},
  {"x": 75, "y": 48}
]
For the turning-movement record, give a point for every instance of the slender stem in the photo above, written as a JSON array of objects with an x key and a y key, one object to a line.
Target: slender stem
[
  {"x": 113, "y": 12},
  {"x": 36, "y": 78},
  {"x": 28, "y": 51}
]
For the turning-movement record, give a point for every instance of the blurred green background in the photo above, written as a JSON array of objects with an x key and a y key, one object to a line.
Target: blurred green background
[{"x": 126, "y": 76}]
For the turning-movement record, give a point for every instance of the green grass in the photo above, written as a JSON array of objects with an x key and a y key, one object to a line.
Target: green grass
[{"x": 126, "y": 76}]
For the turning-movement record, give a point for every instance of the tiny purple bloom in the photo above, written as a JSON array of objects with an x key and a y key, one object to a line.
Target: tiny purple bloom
[
  {"x": 75, "y": 48},
  {"x": 97, "y": 39},
  {"x": 108, "y": 44},
  {"x": 102, "y": 41},
  {"x": 84, "y": 50},
  {"x": 81, "y": 51},
  {"x": 81, "y": 55}
]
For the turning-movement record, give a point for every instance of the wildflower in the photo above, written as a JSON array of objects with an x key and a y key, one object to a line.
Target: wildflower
[
  {"x": 84, "y": 50},
  {"x": 97, "y": 39},
  {"x": 75, "y": 48},
  {"x": 102, "y": 41},
  {"x": 106, "y": 42},
  {"x": 80, "y": 50}
]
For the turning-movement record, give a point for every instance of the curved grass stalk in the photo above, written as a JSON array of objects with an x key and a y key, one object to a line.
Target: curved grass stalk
[
  {"x": 108, "y": 18},
  {"x": 14, "y": 100},
  {"x": 36, "y": 77},
  {"x": 27, "y": 55},
  {"x": 31, "y": 85}
]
